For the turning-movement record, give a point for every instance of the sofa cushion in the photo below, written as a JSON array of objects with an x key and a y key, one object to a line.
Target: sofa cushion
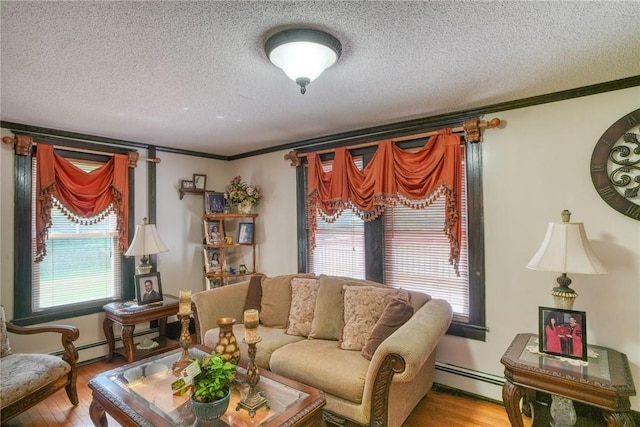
[
  {"x": 321, "y": 364},
  {"x": 271, "y": 340},
  {"x": 363, "y": 306},
  {"x": 23, "y": 373},
  {"x": 5, "y": 348},
  {"x": 327, "y": 319},
  {"x": 394, "y": 315},
  {"x": 276, "y": 300},
  {"x": 303, "y": 304},
  {"x": 254, "y": 294}
]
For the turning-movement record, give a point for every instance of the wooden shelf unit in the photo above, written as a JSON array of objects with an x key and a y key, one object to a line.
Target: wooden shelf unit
[{"x": 228, "y": 225}]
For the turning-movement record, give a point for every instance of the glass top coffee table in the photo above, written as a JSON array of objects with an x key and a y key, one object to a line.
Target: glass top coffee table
[{"x": 139, "y": 394}]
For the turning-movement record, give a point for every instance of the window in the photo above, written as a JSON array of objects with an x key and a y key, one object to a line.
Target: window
[
  {"x": 83, "y": 268},
  {"x": 407, "y": 248},
  {"x": 82, "y": 262},
  {"x": 416, "y": 255},
  {"x": 340, "y": 245}
]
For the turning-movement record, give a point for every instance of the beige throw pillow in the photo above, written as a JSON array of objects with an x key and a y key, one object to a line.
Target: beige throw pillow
[
  {"x": 363, "y": 306},
  {"x": 303, "y": 304}
]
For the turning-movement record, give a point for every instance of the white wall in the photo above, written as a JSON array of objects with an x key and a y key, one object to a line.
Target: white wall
[{"x": 535, "y": 166}]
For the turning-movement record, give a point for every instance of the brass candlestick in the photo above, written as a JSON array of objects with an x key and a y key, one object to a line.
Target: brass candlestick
[
  {"x": 185, "y": 343},
  {"x": 254, "y": 399}
]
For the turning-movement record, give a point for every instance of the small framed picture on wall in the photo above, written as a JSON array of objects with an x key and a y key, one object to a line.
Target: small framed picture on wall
[{"x": 563, "y": 332}]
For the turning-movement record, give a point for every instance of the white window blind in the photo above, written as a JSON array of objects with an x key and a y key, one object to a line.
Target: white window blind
[
  {"x": 417, "y": 254},
  {"x": 340, "y": 249},
  {"x": 82, "y": 262}
]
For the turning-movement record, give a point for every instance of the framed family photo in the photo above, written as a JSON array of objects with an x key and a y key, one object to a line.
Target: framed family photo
[
  {"x": 185, "y": 183},
  {"x": 213, "y": 202},
  {"x": 148, "y": 288},
  {"x": 212, "y": 262},
  {"x": 245, "y": 233},
  {"x": 562, "y": 332},
  {"x": 212, "y": 233}
]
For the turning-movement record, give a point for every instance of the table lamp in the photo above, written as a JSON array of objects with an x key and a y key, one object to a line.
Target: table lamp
[
  {"x": 565, "y": 249},
  {"x": 145, "y": 242}
]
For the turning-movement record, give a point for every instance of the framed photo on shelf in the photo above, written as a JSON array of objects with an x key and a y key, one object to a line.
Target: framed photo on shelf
[
  {"x": 562, "y": 332},
  {"x": 212, "y": 233},
  {"x": 148, "y": 288},
  {"x": 199, "y": 181},
  {"x": 185, "y": 183},
  {"x": 245, "y": 233},
  {"x": 212, "y": 263},
  {"x": 213, "y": 202}
]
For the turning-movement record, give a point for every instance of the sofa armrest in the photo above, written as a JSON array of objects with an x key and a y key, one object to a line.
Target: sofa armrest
[
  {"x": 68, "y": 335},
  {"x": 415, "y": 340},
  {"x": 209, "y": 305}
]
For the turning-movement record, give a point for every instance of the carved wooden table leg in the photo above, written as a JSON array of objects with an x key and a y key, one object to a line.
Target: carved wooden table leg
[
  {"x": 107, "y": 326},
  {"x": 619, "y": 419},
  {"x": 511, "y": 395},
  {"x": 127, "y": 341},
  {"x": 97, "y": 414}
]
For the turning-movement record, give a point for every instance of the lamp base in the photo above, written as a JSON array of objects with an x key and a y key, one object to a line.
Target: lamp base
[
  {"x": 144, "y": 267},
  {"x": 563, "y": 295},
  {"x": 564, "y": 300}
]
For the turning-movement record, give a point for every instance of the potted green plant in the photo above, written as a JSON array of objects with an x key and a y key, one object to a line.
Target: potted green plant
[{"x": 211, "y": 387}]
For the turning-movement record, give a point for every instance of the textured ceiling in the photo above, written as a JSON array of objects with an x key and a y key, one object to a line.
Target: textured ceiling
[{"x": 194, "y": 75}]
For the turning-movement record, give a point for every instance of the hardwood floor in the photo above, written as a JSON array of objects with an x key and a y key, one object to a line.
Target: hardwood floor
[{"x": 440, "y": 408}]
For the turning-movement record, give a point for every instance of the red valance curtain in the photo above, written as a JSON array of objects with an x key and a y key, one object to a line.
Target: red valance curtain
[
  {"x": 91, "y": 196},
  {"x": 413, "y": 179}
]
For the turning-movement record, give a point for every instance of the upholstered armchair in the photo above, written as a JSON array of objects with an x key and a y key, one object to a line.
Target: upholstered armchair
[{"x": 26, "y": 378}]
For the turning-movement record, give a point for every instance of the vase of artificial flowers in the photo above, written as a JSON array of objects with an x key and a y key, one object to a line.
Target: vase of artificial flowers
[{"x": 244, "y": 196}]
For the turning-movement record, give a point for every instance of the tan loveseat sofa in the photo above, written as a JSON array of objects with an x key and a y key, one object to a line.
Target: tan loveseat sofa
[{"x": 310, "y": 347}]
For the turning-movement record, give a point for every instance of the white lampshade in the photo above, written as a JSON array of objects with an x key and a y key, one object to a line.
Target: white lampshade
[
  {"x": 303, "y": 54},
  {"x": 146, "y": 241},
  {"x": 566, "y": 249}
]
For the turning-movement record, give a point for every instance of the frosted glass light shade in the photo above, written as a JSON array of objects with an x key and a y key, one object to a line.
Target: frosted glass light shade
[
  {"x": 566, "y": 249},
  {"x": 303, "y": 54}
]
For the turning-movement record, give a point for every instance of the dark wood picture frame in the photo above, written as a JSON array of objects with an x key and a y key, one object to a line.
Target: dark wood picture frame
[
  {"x": 213, "y": 202},
  {"x": 199, "y": 181},
  {"x": 562, "y": 332},
  {"x": 245, "y": 233},
  {"x": 141, "y": 288},
  {"x": 186, "y": 184}
]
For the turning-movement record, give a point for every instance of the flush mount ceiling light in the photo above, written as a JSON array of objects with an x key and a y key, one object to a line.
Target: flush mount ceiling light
[{"x": 303, "y": 54}]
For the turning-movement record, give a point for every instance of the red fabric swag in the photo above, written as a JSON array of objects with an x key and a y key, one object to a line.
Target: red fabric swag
[
  {"x": 90, "y": 195},
  {"x": 413, "y": 179}
]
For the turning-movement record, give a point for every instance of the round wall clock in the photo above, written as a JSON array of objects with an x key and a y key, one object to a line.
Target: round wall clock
[{"x": 615, "y": 165}]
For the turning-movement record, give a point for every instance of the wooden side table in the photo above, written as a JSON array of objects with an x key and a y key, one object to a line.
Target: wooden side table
[
  {"x": 129, "y": 316},
  {"x": 605, "y": 383}
]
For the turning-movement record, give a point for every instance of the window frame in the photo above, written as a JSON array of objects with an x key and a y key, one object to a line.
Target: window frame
[
  {"x": 23, "y": 257},
  {"x": 475, "y": 328}
]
